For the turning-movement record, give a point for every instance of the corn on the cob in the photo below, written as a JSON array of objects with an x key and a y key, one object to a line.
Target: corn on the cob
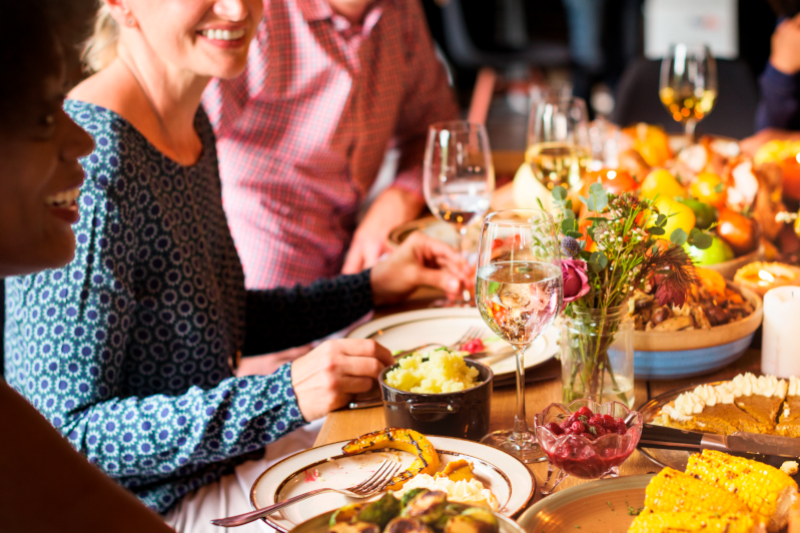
[
  {"x": 650, "y": 521},
  {"x": 672, "y": 490},
  {"x": 765, "y": 490}
]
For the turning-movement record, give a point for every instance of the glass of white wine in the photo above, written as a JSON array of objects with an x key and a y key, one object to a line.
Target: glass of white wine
[
  {"x": 559, "y": 148},
  {"x": 688, "y": 86},
  {"x": 519, "y": 292},
  {"x": 458, "y": 176}
]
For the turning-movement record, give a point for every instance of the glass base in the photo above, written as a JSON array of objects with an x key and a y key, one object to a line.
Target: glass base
[{"x": 523, "y": 446}]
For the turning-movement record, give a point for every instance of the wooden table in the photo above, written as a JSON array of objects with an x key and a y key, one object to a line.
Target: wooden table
[{"x": 346, "y": 425}]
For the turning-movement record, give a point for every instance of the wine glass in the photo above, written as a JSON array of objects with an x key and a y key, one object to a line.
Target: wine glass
[
  {"x": 688, "y": 86},
  {"x": 458, "y": 175},
  {"x": 559, "y": 149},
  {"x": 519, "y": 293}
]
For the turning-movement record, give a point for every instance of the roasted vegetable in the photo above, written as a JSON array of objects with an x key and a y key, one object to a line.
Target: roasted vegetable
[
  {"x": 409, "y": 495},
  {"x": 355, "y": 527},
  {"x": 407, "y": 525},
  {"x": 381, "y": 511},
  {"x": 467, "y": 524},
  {"x": 407, "y": 440},
  {"x": 426, "y": 506},
  {"x": 672, "y": 490},
  {"x": 765, "y": 490},
  {"x": 650, "y": 521},
  {"x": 457, "y": 470},
  {"x": 347, "y": 513},
  {"x": 484, "y": 515}
]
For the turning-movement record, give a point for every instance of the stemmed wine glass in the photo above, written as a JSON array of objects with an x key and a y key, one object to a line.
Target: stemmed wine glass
[
  {"x": 458, "y": 176},
  {"x": 559, "y": 148},
  {"x": 519, "y": 293},
  {"x": 688, "y": 87}
]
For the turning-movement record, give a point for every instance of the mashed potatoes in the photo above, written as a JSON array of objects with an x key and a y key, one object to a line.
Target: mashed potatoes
[
  {"x": 470, "y": 492},
  {"x": 443, "y": 372}
]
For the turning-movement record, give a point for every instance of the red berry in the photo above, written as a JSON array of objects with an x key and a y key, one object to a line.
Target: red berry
[
  {"x": 577, "y": 427},
  {"x": 584, "y": 411},
  {"x": 596, "y": 420},
  {"x": 554, "y": 428},
  {"x": 621, "y": 428},
  {"x": 609, "y": 421}
]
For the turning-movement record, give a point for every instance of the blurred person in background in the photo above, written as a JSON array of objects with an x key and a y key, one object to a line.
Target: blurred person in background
[
  {"x": 778, "y": 113},
  {"x": 330, "y": 86},
  {"x": 130, "y": 349},
  {"x": 39, "y": 150}
]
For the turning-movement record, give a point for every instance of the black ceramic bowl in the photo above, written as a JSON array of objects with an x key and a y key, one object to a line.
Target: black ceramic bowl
[{"x": 463, "y": 414}]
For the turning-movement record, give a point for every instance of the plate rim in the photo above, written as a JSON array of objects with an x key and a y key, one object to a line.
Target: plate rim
[
  {"x": 364, "y": 331},
  {"x": 522, "y": 506},
  {"x": 556, "y": 497}
]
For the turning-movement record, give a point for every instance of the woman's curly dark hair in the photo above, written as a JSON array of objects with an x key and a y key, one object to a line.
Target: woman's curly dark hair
[{"x": 37, "y": 39}]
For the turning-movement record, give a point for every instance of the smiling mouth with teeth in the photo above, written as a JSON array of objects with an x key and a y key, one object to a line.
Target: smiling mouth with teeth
[
  {"x": 63, "y": 199},
  {"x": 223, "y": 35}
]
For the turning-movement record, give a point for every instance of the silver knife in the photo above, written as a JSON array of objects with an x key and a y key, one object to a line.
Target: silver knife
[{"x": 671, "y": 438}]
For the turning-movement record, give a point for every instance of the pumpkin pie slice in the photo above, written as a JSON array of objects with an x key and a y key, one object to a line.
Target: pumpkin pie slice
[
  {"x": 710, "y": 409},
  {"x": 789, "y": 421},
  {"x": 761, "y": 397}
]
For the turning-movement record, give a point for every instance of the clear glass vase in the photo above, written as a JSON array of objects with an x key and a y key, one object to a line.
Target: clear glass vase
[{"x": 597, "y": 355}]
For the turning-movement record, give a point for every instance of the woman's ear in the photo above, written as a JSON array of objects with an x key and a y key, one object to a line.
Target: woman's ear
[{"x": 121, "y": 12}]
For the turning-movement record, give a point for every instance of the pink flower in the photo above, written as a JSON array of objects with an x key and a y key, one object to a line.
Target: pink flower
[{"x": 576, "y": 282}]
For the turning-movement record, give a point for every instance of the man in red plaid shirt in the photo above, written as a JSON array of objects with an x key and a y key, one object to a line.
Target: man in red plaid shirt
[{"x": 330, "y": 86}]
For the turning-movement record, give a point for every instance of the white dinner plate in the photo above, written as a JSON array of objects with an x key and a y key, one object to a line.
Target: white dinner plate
[
  {"x": 404, "y": 331},
  {"x": 510, "y": 481}
]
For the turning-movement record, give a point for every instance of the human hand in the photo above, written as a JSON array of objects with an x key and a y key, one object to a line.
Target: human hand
[
  {"x": 329, "y": 375},
  {"x": 390, "y": 209},
  {"x": 368, "y": 245},
  {"x": 785, "y": 52},
  {"x": 419, "y": 261},
  {"x": 750, "y": 145}
]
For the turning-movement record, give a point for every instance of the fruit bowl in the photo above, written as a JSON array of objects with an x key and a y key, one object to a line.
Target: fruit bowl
[{"x": 594, "y": 452}]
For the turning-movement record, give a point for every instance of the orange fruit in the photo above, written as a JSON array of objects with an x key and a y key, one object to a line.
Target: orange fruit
[
  {"x": 613, "y": 181},
  {"x": 708, "y": 188},
  {"x": 737, "y": 230}
]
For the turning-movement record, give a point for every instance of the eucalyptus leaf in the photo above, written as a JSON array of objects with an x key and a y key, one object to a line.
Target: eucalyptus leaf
[
  {"x": 661, "y": 221},
  {"x": 678, "y": 237},
  {"x": 598, "y": 198},
  {"x": 574, "y": 234},
  {"x": 700, "y": 239},
  {"x": 559, "y": 193},
  {"x": 568, "y": 224},
  {"x": 655, "y": 230},
  {"x": 599, "y": 258}
]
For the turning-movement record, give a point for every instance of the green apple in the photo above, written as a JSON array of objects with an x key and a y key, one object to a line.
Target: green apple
[
  {"x": 718, "y": 252},
  {"x": 704, "y": 214}
]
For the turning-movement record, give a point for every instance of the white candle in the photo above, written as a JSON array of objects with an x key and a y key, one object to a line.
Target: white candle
[{"x": 780, "y": 343}]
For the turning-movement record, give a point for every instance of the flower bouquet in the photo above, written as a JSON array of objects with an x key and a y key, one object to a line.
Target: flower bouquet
[{"x": 620, "y": 246}]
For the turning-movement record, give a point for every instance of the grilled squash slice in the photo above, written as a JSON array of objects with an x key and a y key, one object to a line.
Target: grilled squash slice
[{"x": 407, "y": 440}]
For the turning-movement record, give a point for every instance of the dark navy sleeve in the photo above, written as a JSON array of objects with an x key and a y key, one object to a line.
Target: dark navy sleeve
[
  {"x": 286, "y": 317},
  {"x": 780, "y": 100}
]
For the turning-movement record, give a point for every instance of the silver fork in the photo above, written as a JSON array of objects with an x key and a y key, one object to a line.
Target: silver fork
[
  {"x": 472, "y": 333},
  {"x": 372, "y": 485}
]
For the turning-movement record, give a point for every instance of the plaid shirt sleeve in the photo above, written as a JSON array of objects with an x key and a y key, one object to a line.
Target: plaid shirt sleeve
[{"x": 429, "y": 98}]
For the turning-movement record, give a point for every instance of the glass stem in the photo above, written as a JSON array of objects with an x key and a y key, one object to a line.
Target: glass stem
[
  {"x": 689, "y": 128},
  {"x": 462, "y": 239},
  {"x": 520, "y": 422}
]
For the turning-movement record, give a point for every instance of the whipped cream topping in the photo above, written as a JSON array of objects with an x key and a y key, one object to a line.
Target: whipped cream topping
[
  {"x": 686, "y": 406},
  {"x": 748, "y": 384},
  {"x": 794, "y": 386},
  {"x": 711, "y": 396}
]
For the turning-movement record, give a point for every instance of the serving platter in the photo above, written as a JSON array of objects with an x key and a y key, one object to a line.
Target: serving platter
[
  {"x": 597, "y": 506},
  {"x": 319, "y": 524},
  {"x": 445, "y": 326},
  {"x": 510, "y": 481}
]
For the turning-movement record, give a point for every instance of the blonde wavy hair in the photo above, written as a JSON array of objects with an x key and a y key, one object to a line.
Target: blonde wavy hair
[{"x": 100, "y": 49}]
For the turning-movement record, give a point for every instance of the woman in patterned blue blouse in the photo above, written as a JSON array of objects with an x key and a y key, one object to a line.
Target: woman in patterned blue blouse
[{"x": 126, "y": 350}]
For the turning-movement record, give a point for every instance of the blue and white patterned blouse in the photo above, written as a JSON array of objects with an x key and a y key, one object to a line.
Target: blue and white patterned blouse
[{"x": 126, "y": 349}]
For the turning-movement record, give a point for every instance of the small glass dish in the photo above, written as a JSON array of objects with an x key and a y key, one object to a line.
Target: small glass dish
[{"x": 581, "y": 456}]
